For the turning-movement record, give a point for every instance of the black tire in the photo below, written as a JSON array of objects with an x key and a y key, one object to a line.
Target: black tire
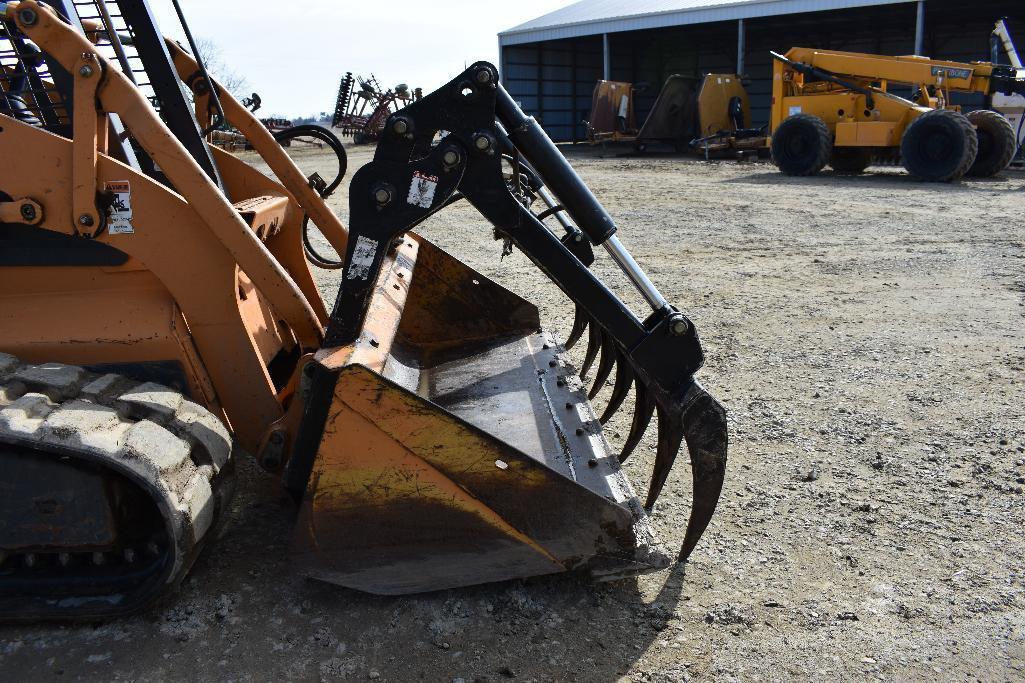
[
  {"x": 997, "y": 143},
  {"x": 801, "y": 145},
  {"x": 850, "y": 160},
  {"x": 939, "y": 146}
]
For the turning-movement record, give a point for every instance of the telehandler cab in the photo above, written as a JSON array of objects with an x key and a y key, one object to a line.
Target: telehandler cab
[{"x": 157, "y": 309}]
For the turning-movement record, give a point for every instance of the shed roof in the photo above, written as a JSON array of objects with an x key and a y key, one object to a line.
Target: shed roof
[{"x": 592, "y": 17}]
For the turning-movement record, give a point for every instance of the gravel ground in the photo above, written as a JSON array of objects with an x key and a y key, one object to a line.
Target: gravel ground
[{"x": 866, "y": 336}]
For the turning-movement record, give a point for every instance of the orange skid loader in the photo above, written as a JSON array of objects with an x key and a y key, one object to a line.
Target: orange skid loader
[{"x": 158, "y": 317}]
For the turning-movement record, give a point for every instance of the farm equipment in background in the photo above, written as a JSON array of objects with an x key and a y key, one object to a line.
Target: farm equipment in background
[
  {"x": 724, "y": 119},
  {"x": 159, "y": 318},
  {"x": 1011, "y": 106},
  {"x": 710, "y": 115},
  {"x": 275, "y": 125},
  {"x": 362, "y": 106},
  {"x": 834, "y": 108},
  {"x": 612, "y": 113}
]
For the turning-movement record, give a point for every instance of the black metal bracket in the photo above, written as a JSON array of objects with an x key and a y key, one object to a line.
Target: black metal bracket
[{"x": 409, "y": 179}]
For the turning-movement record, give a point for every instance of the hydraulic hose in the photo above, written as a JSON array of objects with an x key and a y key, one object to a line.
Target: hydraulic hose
[{"x": 332, "y": 141}]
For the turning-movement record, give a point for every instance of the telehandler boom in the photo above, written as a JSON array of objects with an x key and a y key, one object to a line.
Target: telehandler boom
[{"x": 158, "y": 317}]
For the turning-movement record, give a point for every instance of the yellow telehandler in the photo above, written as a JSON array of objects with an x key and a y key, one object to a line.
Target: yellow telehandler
[
  {"x": 158, "y": 318},
  {"x": 835, "y": 108}
]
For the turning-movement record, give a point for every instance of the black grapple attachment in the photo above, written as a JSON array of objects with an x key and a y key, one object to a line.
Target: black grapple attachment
[{"x": 459, "y": 143}]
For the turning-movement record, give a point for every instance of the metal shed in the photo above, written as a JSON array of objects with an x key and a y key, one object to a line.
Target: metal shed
[{"x": 551, "y": 63}]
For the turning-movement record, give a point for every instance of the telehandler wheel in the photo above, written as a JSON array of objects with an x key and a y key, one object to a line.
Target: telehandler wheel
[
  {"x": 801, "y": 145},
  {"x": 997, "y": 143},
  {"x": 850, "y": 160},
  {"x": 939, "y": 146}
]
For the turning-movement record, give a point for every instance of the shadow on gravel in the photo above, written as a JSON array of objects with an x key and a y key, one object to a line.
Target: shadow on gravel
[{"x": 894, "y": 179}]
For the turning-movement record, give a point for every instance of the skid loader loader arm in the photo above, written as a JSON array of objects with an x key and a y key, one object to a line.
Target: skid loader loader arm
[{"x": 483, "y": 344}]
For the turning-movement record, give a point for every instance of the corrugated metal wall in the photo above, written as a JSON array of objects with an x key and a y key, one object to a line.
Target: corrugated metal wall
[{"x": 554, "y": 80}]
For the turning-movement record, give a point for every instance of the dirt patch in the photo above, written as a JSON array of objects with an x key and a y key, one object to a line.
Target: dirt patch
[{"x": 866, "y": 336}]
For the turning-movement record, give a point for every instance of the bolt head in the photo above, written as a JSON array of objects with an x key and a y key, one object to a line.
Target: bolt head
[
  {"x": 482, "y": 142},
  {"x": 28, "y": 212},
  {"x": 678, "y": 326},
  {"x": 451, "y": 157},
  {"x": 86, "y": 71},
  {"x": 85, "y": 219},
  {"x": 400, "y": 127},
  {"x": 382, "y": 195},
  {"x": 483, "y": 75}
]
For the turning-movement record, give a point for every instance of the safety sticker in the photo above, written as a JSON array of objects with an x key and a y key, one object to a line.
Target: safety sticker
[
  {"x": 362, "y": 259},
  {"x": 119, "y": 214},
  {"x": 421, "y": 190}
]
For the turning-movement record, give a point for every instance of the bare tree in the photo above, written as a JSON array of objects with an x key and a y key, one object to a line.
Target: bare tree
[{"x": 216, "y": 65}]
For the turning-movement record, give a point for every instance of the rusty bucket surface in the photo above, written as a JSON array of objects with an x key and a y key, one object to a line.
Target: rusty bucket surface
[{"x": 459, "y": 447}]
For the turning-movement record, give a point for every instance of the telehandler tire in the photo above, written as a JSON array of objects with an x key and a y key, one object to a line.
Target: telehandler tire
[
  {"x": 801, "y": 145},
  {"x": 997, "y": 143},
  {"x": 939, "y": 146},
  {"x": 850, "y": 160}
]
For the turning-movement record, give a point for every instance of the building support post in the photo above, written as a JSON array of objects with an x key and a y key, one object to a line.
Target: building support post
[
  {"x": 501, "y": 61},
  {"x": 606, "y": 57},
  {"x": 920, "y": 28},
  {"x": 574, "y": 120},
  {"x": 741, "y": 46}
]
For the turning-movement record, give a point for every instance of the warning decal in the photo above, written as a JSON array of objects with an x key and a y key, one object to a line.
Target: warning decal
[
  {"x": 119, "y": 214},
  {"x": 362, "y": 259},
  {"x": 421, "y": 190}
]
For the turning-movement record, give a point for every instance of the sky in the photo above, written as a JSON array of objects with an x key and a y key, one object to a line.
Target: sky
[{"x": 294, "y": 54}]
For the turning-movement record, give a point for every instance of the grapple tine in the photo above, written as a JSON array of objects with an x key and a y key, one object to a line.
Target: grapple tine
[
  {"x": 643, "y": 409},
  {"x": 606, "y": 361},
  {"x": 594, "y": 339},
  {"x": 670, "y": 438},
  {"x": 624, "y": 376},
  {"x": 580, "y": 320},
  {"x": 704, "y": 428}
]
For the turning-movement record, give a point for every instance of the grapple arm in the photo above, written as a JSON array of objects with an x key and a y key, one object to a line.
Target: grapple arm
[{"x": 410, "y": 179}]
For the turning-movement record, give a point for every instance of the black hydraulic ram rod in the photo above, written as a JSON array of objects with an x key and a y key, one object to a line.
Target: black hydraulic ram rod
[
  {"x": 542, "y": 154},
  {"x": 556, "y": 173}
]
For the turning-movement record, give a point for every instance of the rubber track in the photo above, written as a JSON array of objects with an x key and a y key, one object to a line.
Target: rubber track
[{"x": 144, "y": 429}]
